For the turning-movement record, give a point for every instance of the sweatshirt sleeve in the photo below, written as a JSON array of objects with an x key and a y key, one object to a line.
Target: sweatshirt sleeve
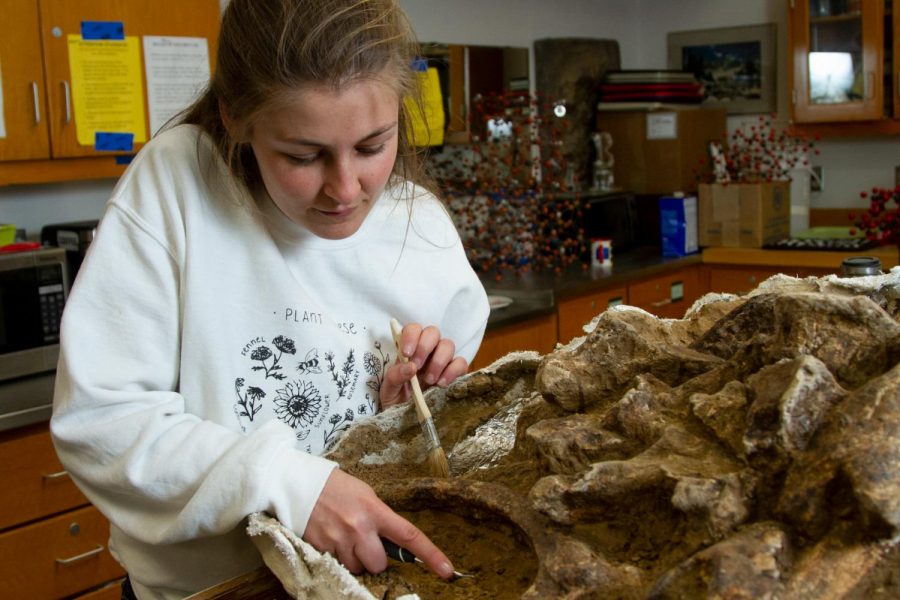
[{"x": 119, "y": 424}]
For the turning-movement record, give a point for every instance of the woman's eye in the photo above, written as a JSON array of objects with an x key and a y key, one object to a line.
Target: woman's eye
[
  {"x": 305, "y": 159},
  {"x": 370, "y": 150}
]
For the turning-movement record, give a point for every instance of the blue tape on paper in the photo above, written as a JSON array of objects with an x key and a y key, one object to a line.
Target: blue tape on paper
[
  {"x": 116, "y": 142},
  {"x": 102, "y": 30},
  {"x": 124, "y": 160}
]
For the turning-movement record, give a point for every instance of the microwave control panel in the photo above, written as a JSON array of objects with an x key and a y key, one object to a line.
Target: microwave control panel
[{"x": 52, "y": 300}]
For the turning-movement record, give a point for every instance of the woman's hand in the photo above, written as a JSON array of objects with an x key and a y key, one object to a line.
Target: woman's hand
[
  {"x": 349, "y": 520},
  {"x": 430, "y": 355}
]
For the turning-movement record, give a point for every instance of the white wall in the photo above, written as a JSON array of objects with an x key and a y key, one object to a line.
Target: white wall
[{"x": 640, "y": 26}]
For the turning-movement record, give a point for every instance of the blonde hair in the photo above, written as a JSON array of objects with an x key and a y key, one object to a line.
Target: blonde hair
[{"x": 268, "y": 48}]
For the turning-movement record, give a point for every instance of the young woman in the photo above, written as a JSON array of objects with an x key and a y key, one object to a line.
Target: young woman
[{"x": 232, "y": 317}]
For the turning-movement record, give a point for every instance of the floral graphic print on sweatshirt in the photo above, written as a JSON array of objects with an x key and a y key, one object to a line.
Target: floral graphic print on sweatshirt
[{"x": 316, "y": 391}]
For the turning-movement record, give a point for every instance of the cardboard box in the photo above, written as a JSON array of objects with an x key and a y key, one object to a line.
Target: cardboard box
[
  {"x": 663, "y": 150},
  {"x": 746, "y": 215},
  {"x": 678, "y": 225}
]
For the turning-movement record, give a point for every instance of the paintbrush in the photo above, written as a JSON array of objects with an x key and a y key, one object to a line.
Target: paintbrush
[{"x": 437, "y": 460}]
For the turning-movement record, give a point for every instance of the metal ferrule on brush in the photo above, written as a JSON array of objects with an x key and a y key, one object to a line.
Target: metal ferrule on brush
[{"x": 431, "y": 435}]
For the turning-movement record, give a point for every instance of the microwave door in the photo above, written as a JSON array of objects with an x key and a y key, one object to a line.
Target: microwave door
[
  {"x": 31, "y": 303},
  {"x": 20, "y": 311}
]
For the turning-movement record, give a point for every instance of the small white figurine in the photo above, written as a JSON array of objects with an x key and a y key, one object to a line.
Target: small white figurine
[
  {"x": 603, "y": 165},
  {"x": 719, "y": 164}
]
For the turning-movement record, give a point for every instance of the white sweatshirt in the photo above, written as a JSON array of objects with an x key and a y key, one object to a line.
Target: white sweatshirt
[{"x": 212, "y": 350}]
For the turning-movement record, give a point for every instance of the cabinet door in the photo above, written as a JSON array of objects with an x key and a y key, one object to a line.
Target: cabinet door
[
  {"x": 575, "y": 313},
  {"x": 61, "y": 18},
  {"x": 837, "y": 49},
  {"x": 57, "y": 557},
  {"x": 538, "y": 334},
  {"x": 24, "y": 113},
  {"x": 668, "y": 295}
]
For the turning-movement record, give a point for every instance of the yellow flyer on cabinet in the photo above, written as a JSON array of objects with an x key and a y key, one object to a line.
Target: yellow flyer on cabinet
[
  {"x": 428, "y": 130},
  {"x": 107, "y": 88}
]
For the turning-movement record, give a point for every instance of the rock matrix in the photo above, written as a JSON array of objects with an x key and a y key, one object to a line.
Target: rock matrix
[{"x": 749, "y": 450}]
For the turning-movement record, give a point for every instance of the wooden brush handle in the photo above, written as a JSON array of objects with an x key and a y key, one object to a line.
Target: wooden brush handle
[{"x": 418, "y": 398}]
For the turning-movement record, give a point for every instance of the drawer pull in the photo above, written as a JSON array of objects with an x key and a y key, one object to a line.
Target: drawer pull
[
  {"x": 57, "y": 475},
  {"x": 79, "y": 557},
  {"x": 661, "y": 302}
]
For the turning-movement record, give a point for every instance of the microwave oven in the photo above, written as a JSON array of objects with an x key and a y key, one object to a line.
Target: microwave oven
[{"x": 34, "y": 286}]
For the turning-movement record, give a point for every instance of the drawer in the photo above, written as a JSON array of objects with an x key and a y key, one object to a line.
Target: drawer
[
  {"x": 109, "y": 591},
  {"x": 34, "y": 484},
  {"x": 575, "y": 313},
  {"x": 668, "y": 295},
  {"x": 57, "y": 557}
]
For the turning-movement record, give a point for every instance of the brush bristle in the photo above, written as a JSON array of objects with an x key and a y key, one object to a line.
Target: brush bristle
[{"x": 437, "y": 463}]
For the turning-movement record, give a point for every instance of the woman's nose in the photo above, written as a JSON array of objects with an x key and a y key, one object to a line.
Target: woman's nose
[{"x": 341, "y": 181}]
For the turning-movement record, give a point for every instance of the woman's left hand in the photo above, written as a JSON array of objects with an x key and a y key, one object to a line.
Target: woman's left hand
[{"x": 431, "y": 357}]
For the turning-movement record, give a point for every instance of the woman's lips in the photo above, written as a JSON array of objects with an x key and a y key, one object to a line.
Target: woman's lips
[{"x": 344, "y": 212}]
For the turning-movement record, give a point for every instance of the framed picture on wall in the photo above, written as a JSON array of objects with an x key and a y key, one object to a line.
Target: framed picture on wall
[{"x": 736, "y": 65}]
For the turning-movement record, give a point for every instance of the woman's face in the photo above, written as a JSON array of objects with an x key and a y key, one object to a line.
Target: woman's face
[{"x": 325, "y": 155}]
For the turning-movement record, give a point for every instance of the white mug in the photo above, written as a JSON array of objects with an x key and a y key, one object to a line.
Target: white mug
[{"x": 601, "y": 252}]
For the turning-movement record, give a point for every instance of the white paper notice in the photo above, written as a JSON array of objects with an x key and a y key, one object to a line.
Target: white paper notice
[
  {"x": 2, "y": 110},
  {"x": 662, "y": 126},
  {"x": 177, "y": 73}
]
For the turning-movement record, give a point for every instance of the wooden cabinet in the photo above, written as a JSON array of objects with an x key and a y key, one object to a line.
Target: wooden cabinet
[
  {"x": 538, "y": 334},
  {"x": 42, "y": 143},
  {"x": 52, "y": 542},
  {"x": 33, "y": 483},
  {"x": 109, "y": 591},
  {"x": 668, "y": 295},
  {"x": 24, "y": 107},
  {"x": 841, "y": 70},
  {"x": 575, "y": 313}
]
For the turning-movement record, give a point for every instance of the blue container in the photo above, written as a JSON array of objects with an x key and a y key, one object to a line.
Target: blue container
[{"x": 678, "y": 225}]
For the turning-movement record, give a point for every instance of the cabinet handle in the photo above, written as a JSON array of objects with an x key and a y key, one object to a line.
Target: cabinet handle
[
  {"x": 37, "y": 102},
  {"x": 661, "y": 302},
  {"x": 67, "y": 99},
  {"x": 79, "y": 557},
  {"x": 57, "y": 475}
]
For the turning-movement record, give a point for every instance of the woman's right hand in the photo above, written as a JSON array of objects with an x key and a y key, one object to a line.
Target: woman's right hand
[{"x": 349, "y": 520}]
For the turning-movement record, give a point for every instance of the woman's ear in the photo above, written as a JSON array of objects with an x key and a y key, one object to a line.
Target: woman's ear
[{"x": 226, "y": 120}]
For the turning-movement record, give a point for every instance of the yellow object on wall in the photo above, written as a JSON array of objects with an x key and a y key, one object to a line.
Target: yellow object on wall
[
  {"x": 428, "y": 129},
  {"x": 107, "y": 88}
]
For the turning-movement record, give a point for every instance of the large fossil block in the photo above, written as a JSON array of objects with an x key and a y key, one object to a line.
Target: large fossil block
[{"x": 749, "y": 450}]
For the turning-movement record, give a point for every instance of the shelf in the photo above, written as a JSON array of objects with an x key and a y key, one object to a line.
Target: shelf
[
  {"x": 841, "y": 18},
  {"x": 846, "y": 129},
  {"x": 59, "y": 170}
]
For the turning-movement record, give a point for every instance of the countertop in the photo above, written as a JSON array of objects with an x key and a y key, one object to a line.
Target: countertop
[
  {"x": 537, "y": 293},
  {"x": 797, "y": 258}
]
